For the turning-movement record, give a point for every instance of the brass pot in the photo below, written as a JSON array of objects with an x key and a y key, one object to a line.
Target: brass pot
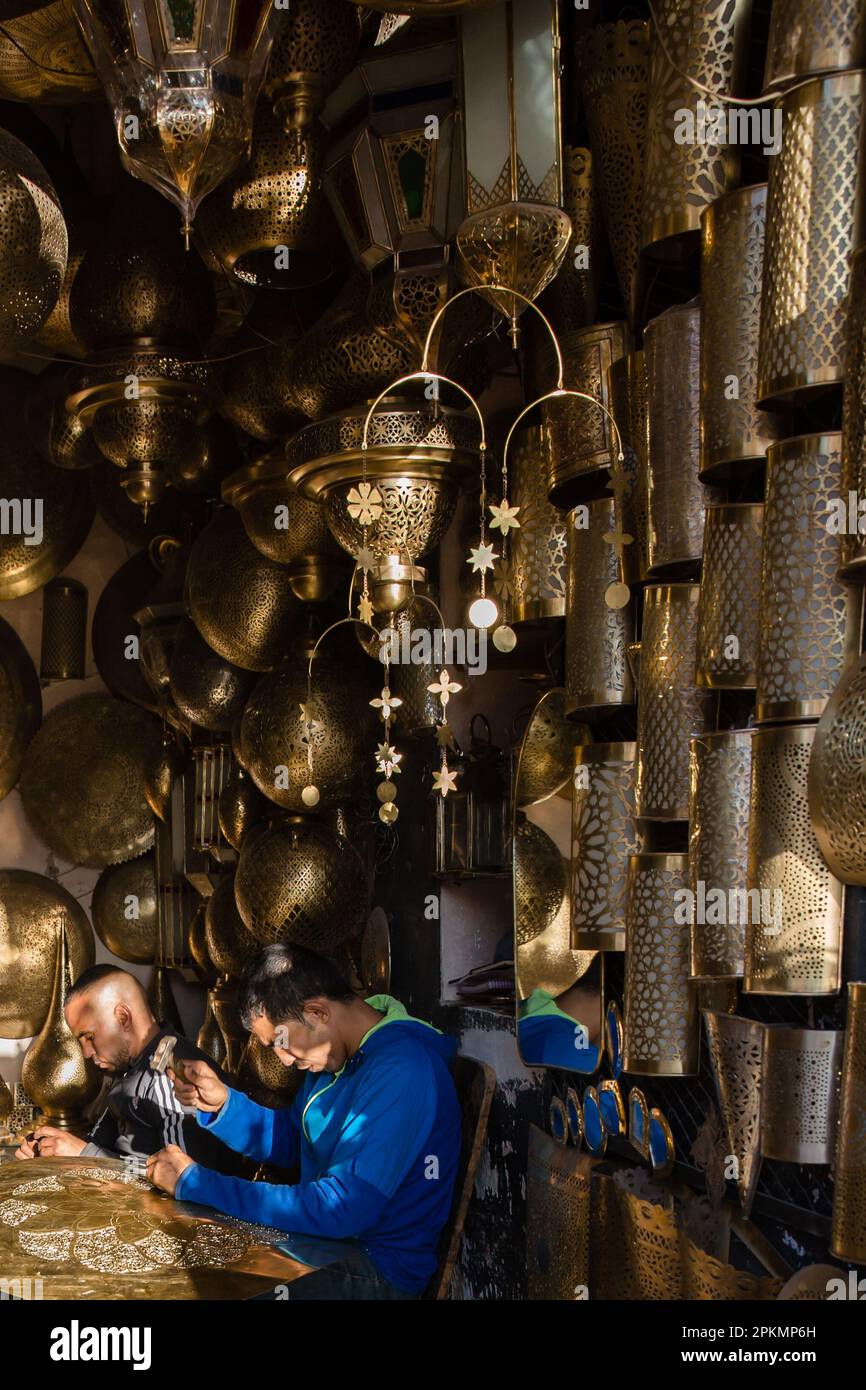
[
  {"x": 848, "y": 1237},
  {"x": 301, "y": 883},
  {"x": 814, "y": 223},
  {"x": 603, "y": 836},
  {"x": 720, "y": 781},
  {"x": 614, "y": 73},
  {"x": 582, "y": 442},
  {"x": 795, "y": 945},
  {"x": 54, "y": 1072},
  {"x": 837, "y": 789},
  {"x": 730, "y": 597},
  {"x": 733, "y": 430},
  {"x": 806, "y": 39},
  {"x": 597, "y": 675},
  {"x": 707, "y": 41},
  {"x": 20, "y": 705},
  {"x": 660, "y": 1022},
  {"x": 30, "y": 907},
  {"x": 240, "y": 601},
  {"x": 671, "y": 710},
  {"x": 809, "y": 621},
  {"x": 124, "y": 910},
  {"x": 83, "y": 780}
]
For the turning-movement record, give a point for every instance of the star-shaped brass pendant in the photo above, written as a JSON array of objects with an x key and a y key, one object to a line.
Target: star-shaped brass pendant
[
  {"x": 503, "y": 517},
  {"x": 365, "y": 559},
  {"x": 444, "y": 735},
  {"x": 365, "y": 610},
  {"x": 444, "y": 781},
  {"x": 481, "y": 558}
]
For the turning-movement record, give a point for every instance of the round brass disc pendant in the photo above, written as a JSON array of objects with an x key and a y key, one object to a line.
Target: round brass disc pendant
[
  {"x": 30, "y": 908},
  {"x": 83, "y": 781},
  {"x": 124, "y": 910},
  {"x": 20, "y": 705}
]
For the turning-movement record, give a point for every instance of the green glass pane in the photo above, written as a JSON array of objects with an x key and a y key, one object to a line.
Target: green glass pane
[{"x": 412, "y": 169}]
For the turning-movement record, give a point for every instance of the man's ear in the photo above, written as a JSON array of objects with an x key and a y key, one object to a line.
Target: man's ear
[
  {"x": 319, "y": 1010},
  {"x": 123, "y": 1014}
]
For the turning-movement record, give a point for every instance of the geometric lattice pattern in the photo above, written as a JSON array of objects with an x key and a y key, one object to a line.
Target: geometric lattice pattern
[
  {"x": 730, "y": 596},
  {"x": 837, "y": 778},
  {"x": 604, "y": 834},
  {"x": 660, "y": 1020},
  {"x": 849, "y": 1203},
  {"x": 721, "y": 766}
]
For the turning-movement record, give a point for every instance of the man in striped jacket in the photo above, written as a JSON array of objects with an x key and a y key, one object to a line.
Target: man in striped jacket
[{"x": 108, "y": 1012}]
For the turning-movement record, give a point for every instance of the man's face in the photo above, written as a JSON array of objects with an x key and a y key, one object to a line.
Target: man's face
[
  {"x": 310, "y": 1046},
  {"x": 103, "y": 1037}
]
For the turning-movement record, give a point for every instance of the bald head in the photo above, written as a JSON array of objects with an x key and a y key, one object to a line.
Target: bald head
[{"x": 108, "y": 1012}]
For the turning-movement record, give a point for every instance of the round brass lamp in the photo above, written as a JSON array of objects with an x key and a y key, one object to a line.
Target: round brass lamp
[
  {"x": 299, "y": 882},
  {"x": 30, "y": 907}
]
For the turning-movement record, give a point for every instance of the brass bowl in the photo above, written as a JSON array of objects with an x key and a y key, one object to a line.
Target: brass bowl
[
  {"x": 241, "y": 602},
  {"x": 130, "y": 938},
  {"x": 83, "y": 780},
  {"x": 20, "y": 705},
  {"x": 205, "y": 687},
  {"x": 299, "y": 882},
  {"x": 30, "y": 908}
]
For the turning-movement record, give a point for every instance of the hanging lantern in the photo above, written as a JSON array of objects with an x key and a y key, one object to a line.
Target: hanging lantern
[
  {"x": 515, "y": 233},
  {"x": 64, "y": 631},
  {"x": 54, "y": 1071},
  {"x": 314, "y": 47},
  {"x": 719, "y": 782},
  {"x": 230, "y": 945},
  {"x": 159, "y": 616},
  {"x": 42, "y": 55},
  {"x": 20, "y": 705},
  {"x": 603, "y": 836},
  {"x": 33, "y": 247},
  {"x": 473, "y": 824},
  {"x": 124, "y": 910},
  {"x": 660, "y": 1024},
  {"x": 393, "y": 176},
  {"x": 207, "y": 689},
  {"x": 582, "y": 442},
  {"x": 727, "y": 644},
  {"x": 539, "y": 549},
  {"x": 182, "y": 81},
  {"x": 806, "y": 39},
  {"x": 627, "y": 388},
  {"x": 597, "y": 675},
  {"x": 63, "y": 439},
  {"x": 241, "y": 806}
]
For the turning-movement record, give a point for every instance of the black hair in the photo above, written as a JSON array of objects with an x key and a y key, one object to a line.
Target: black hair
[
  {"x": 92, "y": 976},
  {"x": 282, "y": 978}
]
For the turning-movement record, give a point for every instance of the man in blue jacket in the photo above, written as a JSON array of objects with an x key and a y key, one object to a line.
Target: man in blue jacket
[{"x": 375, "y": 1126}]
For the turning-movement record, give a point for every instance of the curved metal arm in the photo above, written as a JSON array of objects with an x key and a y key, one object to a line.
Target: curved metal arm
[
  {"x": 558, "y": 395},
  {"x": 425, "y": 376},
  {"x": 496, "y": 289}
]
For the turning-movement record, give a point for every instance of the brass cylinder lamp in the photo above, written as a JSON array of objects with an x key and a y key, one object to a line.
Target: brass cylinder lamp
[
  {"x": 603, "y": 836},
  {"x": 719, "y": 788},
  {"x": 660, "y": 1022},
  {"x": 540, "y": 545},
  {"x": 809, "y": 621},
  {"x": 64, "y": 630},
  {"x": 582, "y": 442},
  {"x": 676, "y": 498},
  {"x": 515, "y": 232},
  {"x": 671, "y": 710},
  {"x": 597, "y": 674},
  {"x": 814, "y": 223},
  {"x": 613, "y": 63},
  {"x": 848, "y": 1236},
  {"x": 728, "y": 628},
  {"x": 807, "y": 39},
  {"x": 627, "y": 385},
  {"x": 794, "y": 933},
  {"x": 854, "y": 426},
  {"x": 733, "y": 430},
  {"x": 688, "y": 165},
  {"x": 837, "y": 787}
]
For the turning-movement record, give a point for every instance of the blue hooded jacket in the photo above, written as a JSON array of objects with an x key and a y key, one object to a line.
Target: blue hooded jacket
[{"x": 379, "y": 1146}]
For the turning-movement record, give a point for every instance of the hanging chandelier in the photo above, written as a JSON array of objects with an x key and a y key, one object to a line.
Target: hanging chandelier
[{"x": 182, "y": 77}]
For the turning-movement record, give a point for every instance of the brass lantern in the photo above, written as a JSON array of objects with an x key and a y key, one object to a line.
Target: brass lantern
[
  {"x": 42, "y": 55},
  {"x": 33, "y": 246},
  {"x": 393, "y": 174},
  {"x": 314, "y": 47},
  {"x": 515, "y": 233},
  {"x": 182, "y": 80}
]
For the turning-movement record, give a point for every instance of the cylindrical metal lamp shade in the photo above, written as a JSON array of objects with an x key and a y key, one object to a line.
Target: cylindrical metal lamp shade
[
  {"x": 799, "y": 1109},
  {"x": 660, "y": 1025},
  {"x": 671, "y": 710},
  {"x": 539, "y": 546},
  {"x": 721, "y": 768},
  {"x": 597, "y": 674},
  {"x": 628, "y": 404},
  {"x": 410, "y": 680},
  {"x": 736, "y": 1048},
  {"x": 64, "y": 631},
  {"x": 814, "y": 222},
  {"x": 809, "y": 621},
  {"x": 686, "y": 168},
  {"x": 583, "y": 445},
  {"x": 603, "y": 837},
  {"x": 733, "y": 430},
  {"x": 848, "y": 1237},
  {"x": 727, "y": 650},
  {"x": 794, "y": 931},
  {"x": 614, "y": 61},
  {"x": 675, "y": 495},
  {"x": 837, "y": 778},
  {"x": 854, "y": 427},
  {"x": 808, "y": 38},
  {"x": 572, "y": 302}
]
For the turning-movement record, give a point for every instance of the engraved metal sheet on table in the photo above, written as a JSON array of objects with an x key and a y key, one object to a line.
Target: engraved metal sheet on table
[
  {"x": 90, "y": 1229},
  {"x": 800, "y": 950},
  {"x": 813, "y": 224},
  {"x": 837, "y": 777},
  {"x": 720, "y": 780},
  {"x": 810, "y": 621},
  {"x": 597, "y": 673},
  {"x": 802, "y": 1068},
  {"x": 733, "y": 430},
  {"x": 730, "y": 596},
  {"x": 603, "y": 835}
]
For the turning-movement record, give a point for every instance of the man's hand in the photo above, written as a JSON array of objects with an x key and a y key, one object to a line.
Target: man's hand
[
  {"x": 49, "y": 1142},
  {"x": 165, "y": 1167},
  {"x": 197, "y": 1084}
]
